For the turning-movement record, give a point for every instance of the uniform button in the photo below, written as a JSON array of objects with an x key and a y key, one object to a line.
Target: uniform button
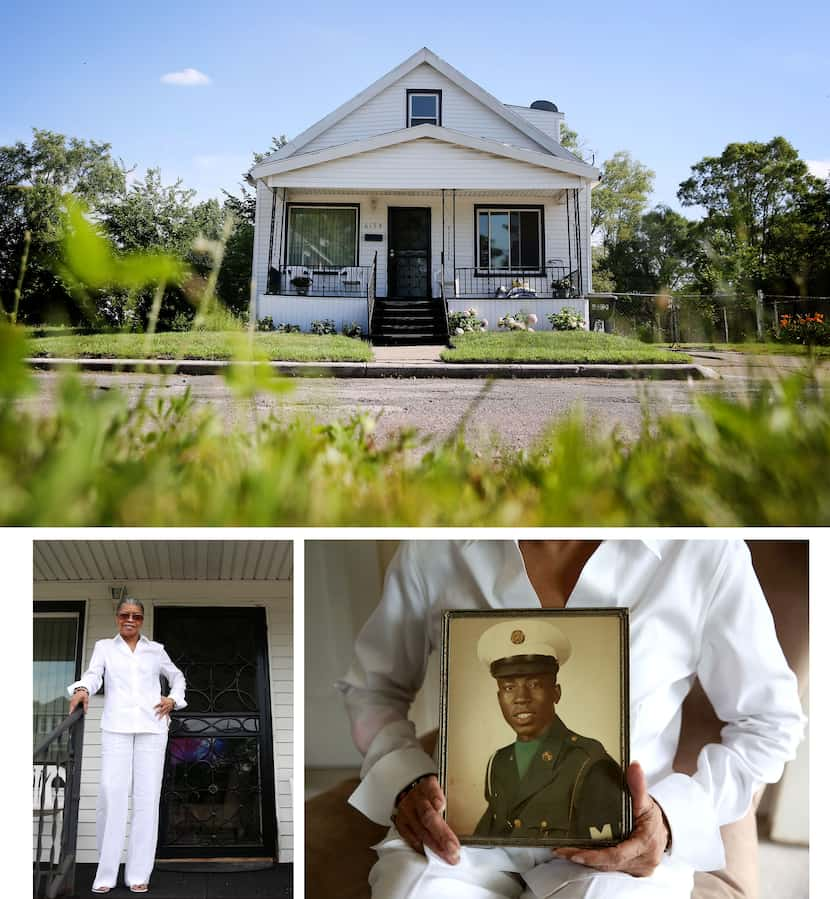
[
  {"x": 547, "y": 757},
  {"x": 574, "y": 738},
  {"x": 543, "y": 824},
  {"x": 517, "y": 823}
]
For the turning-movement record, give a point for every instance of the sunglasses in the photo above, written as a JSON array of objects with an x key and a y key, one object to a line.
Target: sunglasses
[{"x": 130, "y": 616}]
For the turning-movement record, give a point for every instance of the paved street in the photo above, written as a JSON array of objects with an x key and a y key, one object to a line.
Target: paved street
[{"x": 511, "y": 412}]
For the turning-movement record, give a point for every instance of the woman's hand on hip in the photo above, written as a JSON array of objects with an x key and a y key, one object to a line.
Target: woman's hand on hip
[
  {"x": 79, "y": 697},
  {"x": 164, "y": 707},
  {"x": 418, "y": 820}
]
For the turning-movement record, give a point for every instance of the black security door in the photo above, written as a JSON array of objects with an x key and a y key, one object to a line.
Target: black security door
[
  {"x": 409, "y": 252},
  {"x": 218, "y": 790}
]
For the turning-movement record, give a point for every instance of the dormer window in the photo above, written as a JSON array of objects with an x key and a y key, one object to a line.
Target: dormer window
[{"x": 423, "y": 108}]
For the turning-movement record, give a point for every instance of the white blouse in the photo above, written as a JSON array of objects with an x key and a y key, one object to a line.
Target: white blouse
[
  {"x": 696, "y": 610},
  {"x": 132, "y": 685}
]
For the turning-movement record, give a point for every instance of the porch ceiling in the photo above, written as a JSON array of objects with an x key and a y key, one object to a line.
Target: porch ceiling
[{"x": 152, "y": 560}]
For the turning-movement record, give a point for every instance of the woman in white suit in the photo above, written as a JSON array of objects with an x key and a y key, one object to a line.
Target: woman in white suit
[{"x": 133, "y": 742}]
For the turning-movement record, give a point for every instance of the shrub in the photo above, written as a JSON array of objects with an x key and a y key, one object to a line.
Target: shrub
[
  {"x": 566, "y": 319},
  {"x": 287, "y": 328},
  {"x": 352, "y": 329},
  {"x": 518, "y": 321},
  {"x": 323, "y": 326},
  {"x": 266, "y": 323},
  {"x": 808, "y": 329},
  {"x": 466, "y": 322}
]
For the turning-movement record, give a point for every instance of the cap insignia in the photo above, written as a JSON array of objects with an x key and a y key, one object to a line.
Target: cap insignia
[{"x": 517, "y": 637}]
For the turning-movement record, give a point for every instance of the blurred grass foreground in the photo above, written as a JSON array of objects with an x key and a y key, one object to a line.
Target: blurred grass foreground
[{"x": 97, "y": 459}]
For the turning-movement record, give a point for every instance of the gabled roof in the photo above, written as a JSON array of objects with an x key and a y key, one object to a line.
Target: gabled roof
[
  {"x": 424, "y": 55},
  {"x": 275, "y": 166}
]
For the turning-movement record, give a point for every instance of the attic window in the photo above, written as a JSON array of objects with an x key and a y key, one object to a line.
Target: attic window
[{"x": 423, "y": 108}]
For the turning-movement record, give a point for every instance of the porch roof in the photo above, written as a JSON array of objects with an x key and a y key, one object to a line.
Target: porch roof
[
  {"x": 67, "y": 561},
  {"x": 420, "y": 150}
]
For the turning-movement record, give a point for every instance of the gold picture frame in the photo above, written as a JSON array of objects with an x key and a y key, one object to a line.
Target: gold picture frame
[{"x": 571, "y": 790}]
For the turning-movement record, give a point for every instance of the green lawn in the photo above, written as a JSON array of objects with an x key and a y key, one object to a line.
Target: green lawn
[
  {"x": 759, "y": 349},
  {"x": 556, "y": 347},
  {"x": 213, "y": 345}
]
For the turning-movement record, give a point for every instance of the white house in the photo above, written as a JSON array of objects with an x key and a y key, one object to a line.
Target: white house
[
  {"x": 223, "y": 610},
  {"x": 422, "y": 194}
]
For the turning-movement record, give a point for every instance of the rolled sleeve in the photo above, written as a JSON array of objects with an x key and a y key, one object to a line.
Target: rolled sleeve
[
  {"x": 395, "y": 760},
  {"x": 93, "y": 677}
]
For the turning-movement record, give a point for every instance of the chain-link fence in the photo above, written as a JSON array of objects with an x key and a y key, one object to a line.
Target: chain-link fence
[{"x": 695, "y": 318}]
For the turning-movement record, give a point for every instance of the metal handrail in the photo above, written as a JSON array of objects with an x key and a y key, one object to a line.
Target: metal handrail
[
  {"x": 75, "y": 715},
  {"x": 59, "y": 877},
  {"x": 446, "y": 304},
  {"x": 371, "y": 289}
]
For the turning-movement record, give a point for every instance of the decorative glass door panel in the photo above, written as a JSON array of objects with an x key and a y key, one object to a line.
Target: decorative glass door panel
[{"x": 218, "y": 791}]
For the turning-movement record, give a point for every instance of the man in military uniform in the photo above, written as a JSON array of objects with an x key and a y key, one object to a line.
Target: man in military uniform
[{"x": 551, "y": 782}]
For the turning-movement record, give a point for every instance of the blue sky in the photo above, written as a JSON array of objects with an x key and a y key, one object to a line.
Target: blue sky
[{"x": 669, "y": 82}]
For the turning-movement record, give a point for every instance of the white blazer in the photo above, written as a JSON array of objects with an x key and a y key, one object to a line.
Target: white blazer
[{"x": 132, "y": 682}]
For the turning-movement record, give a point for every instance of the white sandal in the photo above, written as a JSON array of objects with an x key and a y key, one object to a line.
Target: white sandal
[{"x": 140, "y": 888}]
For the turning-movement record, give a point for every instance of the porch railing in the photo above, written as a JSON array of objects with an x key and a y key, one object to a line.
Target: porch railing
[
  {"x": 444, "y": 300},
  {"x": 371, "y": 293},
  {"x": 308, "y": 281},
  {"x": 56, "y": 790},
  {"x": 553, "y": 281}
]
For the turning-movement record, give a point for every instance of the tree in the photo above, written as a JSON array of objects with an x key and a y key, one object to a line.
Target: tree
[
  {"x": 570, "y": 140},
  {"x": 656, "y": 256},
  {"x": 621, "y": 197},
  {"x": 33, "y": 181},
  {"x": 234, "y": 284},
  {"x": 149, "y": 216},
  {"x": 760, "y": 202}
]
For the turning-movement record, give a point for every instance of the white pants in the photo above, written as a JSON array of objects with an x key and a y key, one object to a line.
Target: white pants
[
  {"x": 401, "y": 873},
  {"x": 131, "y": 764}
]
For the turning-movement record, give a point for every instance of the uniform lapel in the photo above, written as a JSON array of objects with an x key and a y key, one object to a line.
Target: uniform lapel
[{"x": 544, "y": 765}]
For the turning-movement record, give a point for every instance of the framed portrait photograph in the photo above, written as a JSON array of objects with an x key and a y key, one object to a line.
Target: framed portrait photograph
[{"x": 534, "y": 738}]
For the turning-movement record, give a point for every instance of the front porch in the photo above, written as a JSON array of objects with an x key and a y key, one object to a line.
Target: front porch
[{"x": 335, "y": 254}]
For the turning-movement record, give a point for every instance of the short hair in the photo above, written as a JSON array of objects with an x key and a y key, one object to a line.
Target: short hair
[{"x": 129, "y": 601}]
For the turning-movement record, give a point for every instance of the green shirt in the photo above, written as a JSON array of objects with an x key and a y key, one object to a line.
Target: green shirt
[{"x": 525, "y": 750}]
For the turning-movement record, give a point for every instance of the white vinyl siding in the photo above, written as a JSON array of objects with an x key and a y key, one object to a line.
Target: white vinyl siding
[
  {"x": 274, "y": 597},
  {"x": 423, "y": 164},
  {"x": 546, "y": 121},
  {"x": 387, "y": 112}
]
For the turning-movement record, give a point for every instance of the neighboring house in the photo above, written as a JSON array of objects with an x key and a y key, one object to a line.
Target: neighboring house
[
  {"x": 223, "y": 610},
  {"x": 423, "y": 193}
]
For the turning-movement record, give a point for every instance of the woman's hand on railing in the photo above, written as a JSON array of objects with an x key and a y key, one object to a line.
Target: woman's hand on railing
[{"x": 79, "y": 697}]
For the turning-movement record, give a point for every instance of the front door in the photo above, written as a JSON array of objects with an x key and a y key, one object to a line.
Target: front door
[
  {"x": 409, "y": 252},
  {"x": 218, "y": 791}
]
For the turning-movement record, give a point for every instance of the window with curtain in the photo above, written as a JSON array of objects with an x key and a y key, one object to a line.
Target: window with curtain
[
  {"x": 509, "y": 239},
  {"x": 322, "y": 236},
  {"x": 55, "y": 646}
]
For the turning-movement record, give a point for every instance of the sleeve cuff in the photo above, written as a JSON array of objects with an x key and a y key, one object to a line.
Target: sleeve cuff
[
  {"x": 78, "y": 683},
  {"x": 178, "y": 698},
  {"x": 695, "y": 833},
  {"x": 375, "y": 797}
]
